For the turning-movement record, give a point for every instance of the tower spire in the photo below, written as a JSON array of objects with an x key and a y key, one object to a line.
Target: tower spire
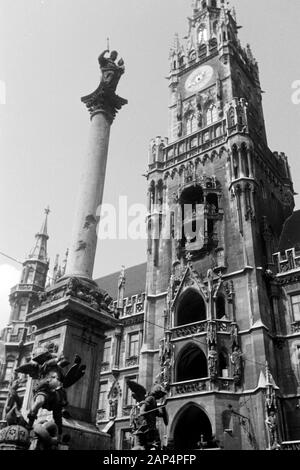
[{"x": 39, "y": 251}]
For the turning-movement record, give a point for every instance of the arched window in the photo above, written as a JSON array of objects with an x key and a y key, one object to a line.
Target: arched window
[
  {"x": 191, "y": 124},
  {"x": 231, "y": 117},
  {"x": 211, "y": 115},
  {"x": 191, "y": 309},
  {"x": 220, "y": 307},
  {"x": 191, "y": 364},
  {"x": 202, "y": 34},
  {"x": 235, "y": 158},
  {"x": 245, "y": 161},
  {"x": 22, "y": 311}
]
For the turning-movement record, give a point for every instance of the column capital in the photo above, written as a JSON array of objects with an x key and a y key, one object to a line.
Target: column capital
[{"x": 104, "y": 99}]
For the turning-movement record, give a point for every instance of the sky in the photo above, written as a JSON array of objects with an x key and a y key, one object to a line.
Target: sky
[{"x": 48, "y": 60}]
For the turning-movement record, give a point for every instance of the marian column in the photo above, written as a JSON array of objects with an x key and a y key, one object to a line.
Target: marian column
[
  {"x": 73, "y": 314},
  {"x": 103, "y": 105}
]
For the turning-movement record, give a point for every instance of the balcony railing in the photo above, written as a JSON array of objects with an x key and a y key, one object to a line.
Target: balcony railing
[
  {"x": 223, "y": 326},
  {"x": 189, "y": 330},
  {"x": 26, "y": 288},
  {"x": 191, "y": 386},
  {"x": 201, "y": 386},
  {"x": 290, "y": 445},
  {"x": 288, "y": 262}
]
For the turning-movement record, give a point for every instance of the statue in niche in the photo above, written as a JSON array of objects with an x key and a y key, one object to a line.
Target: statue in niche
[
  {"x": 237, "y": 361},
  {"x": 144, "y": 415},
  {"x": 199, "y": 105},
  {"x": 211, "y": 334},
  {"x": 272, "y": 427},
  {"x": 213, "y": 362},
  {"x": 46, "y": 368}
]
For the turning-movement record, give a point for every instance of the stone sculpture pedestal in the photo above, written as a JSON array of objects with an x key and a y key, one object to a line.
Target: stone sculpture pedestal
[{"x": 74, "y": 316}]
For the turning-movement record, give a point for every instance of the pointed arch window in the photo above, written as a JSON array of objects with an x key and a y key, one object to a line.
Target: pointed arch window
[
  {"x": 22, "y": 311},
  {"x": 220, "y": 307},
  {"x": 211, "y": 115},
  {"x": 191, "y": 309},
  {"x": 191, "y": 364},
  {"x": 202, "y": 34},
  {"x": 191, "y": 124}
]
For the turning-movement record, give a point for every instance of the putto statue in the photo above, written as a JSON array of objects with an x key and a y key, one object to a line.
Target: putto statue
[
  {"x": 46, "y": 368},
  {"x": 144, "y": 414},
  {"x": 104, "y": 99}
]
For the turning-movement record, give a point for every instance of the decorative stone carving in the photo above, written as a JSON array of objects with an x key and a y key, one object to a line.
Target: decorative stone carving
[
  {"x": 104, "y": 99},
  {"x": 212, "y": 360},
  {"x": 73, "y": 287},
  {"x": 190, "y": 330},
  {"x": 46, "y": 368},
  {"x": 237, "y": 361},
  {"x": 211, "y": 334}
]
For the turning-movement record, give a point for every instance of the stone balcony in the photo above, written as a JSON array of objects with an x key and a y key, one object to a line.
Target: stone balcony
[
  {"x": 33, "y": 288},
  {"x": 223, "y": 326},
  {"x": 202, "y": 386},
  {"x": 288, "y": 262}
]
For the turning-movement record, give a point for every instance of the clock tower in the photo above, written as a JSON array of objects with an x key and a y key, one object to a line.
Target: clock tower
[{"x": 217, "y": 198}]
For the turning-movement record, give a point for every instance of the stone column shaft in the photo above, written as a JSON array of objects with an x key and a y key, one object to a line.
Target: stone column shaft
[
  {"x": 103, "y": 105},
  {"x": 84, "y": 238}
]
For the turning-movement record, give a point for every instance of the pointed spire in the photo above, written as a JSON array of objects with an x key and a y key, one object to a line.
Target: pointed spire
[
  {"x": 44, "y": 228},
  {"x": 121, "y": 289},
  {"x": 55, "y": 268},
  {"x": 40, "y": 249},
  {"x": 64, "y": 263}
]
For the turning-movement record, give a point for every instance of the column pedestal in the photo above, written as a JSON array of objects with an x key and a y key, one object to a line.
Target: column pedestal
[{"x": 76, "y": 322}]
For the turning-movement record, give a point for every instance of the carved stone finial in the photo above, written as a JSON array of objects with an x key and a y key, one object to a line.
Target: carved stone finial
[{"x": 104, "y": 99}]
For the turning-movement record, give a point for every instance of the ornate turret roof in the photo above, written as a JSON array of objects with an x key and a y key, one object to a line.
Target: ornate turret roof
[{"x": 39, "y": 251}]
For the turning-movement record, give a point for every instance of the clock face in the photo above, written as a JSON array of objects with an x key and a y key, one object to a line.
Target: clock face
[{"x": 199, "y": 78}]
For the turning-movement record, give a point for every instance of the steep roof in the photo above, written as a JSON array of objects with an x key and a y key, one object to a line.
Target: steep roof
[
  {"x": 290, "y": 236},
  {"x": 135, "y": 281}
]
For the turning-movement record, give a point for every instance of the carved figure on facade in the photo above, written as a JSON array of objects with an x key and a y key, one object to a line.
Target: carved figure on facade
[
  {"x": 166, "y": 360},
  {"x": 99, "y": 300},
  {"x": 271, "y": 420},
  {"x": 12, "y": 408},
  {"x": 212, "y": 360},
  {"x": 49, "y": 391},
  {"x": 199, "y": 105},
  {"x": 237, "y": 362},
  {"x": 144, "y": 416},
  {"x": 104, "y": 98},
  {"x": 211, "y": 337}
]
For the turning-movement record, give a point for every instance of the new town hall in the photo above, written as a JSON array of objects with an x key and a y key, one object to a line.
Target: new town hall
[{"x": 214, "y": 315}]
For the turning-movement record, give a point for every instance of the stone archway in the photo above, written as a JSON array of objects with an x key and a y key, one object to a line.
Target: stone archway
[
  {"x": 190, "y": 424},
  {"x": 191, "y": 364}
]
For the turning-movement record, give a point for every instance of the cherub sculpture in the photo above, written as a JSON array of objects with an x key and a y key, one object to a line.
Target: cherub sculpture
[
  {"x": 144, "y": 414},
  {"x": 49, "y": 393},
  {"x": 12, "y": 408}
]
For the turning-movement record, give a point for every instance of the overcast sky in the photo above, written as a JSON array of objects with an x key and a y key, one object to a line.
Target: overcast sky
[{"x": 48, "y": 60}]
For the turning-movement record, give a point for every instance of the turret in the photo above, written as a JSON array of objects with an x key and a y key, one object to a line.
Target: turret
[{"x": 33, "y": 278}]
